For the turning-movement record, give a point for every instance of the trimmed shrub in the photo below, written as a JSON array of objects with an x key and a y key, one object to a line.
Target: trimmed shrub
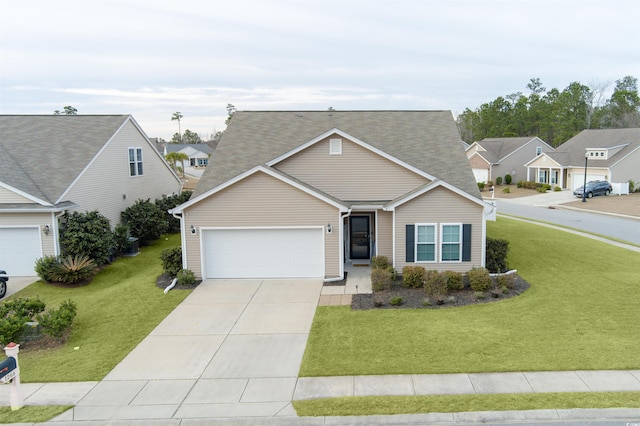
[
  {"x": 632, "y": 186},
  {"x": 479, "y": 279},
  {"x": 435, "y": 284},
  {"x": 166, "y": 203},
  {"x": 496, "y": 255},
  {"x": 507, "y": 179},
  {"x": 396, "y": 301},
  {"x": 145, "y": 221},
  {"x": 506, "y": 190},
  {"x": 520, "y": 184},
  {"x": 14, "y": 314},
  {"x": 172, "y": 261},
  {"x": 87, "y": 234},
  {"x": 455, "y": 280},
  {"x": 506, "y": 281},
  {"x": 45, "y": 266},
  {"x": 57, "y": 322},
  {"x": 413, "y": 276},
  {"x": 478, "y": 295},
  {"x": 499, "y": 180},
  {"x": 557, "y": 189},
  {"x": 380, "y": 262},
  {"x": 380, "y": 279},
  {"x": 186, "y": 277},
  {"x": 72, "y": 270},
  {"x": 481, "y": 186}
]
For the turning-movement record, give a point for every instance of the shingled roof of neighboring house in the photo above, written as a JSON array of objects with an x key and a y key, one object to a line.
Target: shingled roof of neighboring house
[
  {"x": 498, "y": 148},
  {"x": 576, "y": 147},
  {"x": 427, "y": 140},
  {"x": 175, "y": 147},
  {"x": 43, "y": 154}
]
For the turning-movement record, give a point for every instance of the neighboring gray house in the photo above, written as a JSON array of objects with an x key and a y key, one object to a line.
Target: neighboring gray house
[
  {"x": 299, "y": 193},
  {"x": 612, "y": 155},
  {"x": 198, "y": 153},
  {"x": 493, "y": 157},
  {"x": 57, "y": 163}
]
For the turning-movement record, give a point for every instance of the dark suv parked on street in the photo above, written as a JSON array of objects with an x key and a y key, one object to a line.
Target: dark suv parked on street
[{"x": 595, "y": 187}]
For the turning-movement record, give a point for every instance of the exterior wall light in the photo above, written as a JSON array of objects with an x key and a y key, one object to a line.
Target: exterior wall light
[
  {"x": 329, "y": 229},
  {"x": 193, "y": 229},
  {"x": 46, "y": 229}
]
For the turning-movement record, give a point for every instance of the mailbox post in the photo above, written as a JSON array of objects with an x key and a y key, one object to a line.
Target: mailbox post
[{"x": 10, "y": 371}]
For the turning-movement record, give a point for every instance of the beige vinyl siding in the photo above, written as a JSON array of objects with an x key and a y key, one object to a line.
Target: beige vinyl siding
[
  {"x": 384, "y": 241},
  {"x": 7, "y": 196},
  {"x": 356, "y": 175},
  {"x": 440, "y": 206},
  {"x": 263, "y": 201},
  {"x": 10, "y": 220},
  {"x": 105, "y": 183},
  {"x": 478, "y": 162},
  {"x": 627, "y": 169}
]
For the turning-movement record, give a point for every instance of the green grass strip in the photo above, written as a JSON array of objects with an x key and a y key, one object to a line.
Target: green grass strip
[
  {"x": 388, "y": 405},
  {"x": 579, "y": 314},
  {"x": 31, "y": 414},
  {"x": 115, "y": 312}
]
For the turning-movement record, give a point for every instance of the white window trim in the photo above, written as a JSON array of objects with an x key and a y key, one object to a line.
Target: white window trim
[
  {"x": 136, "y": 160},
  {"x": 335, "y": 146},
  {"x": 442, "y": 243},
  {"x": 435, "y": 242}
]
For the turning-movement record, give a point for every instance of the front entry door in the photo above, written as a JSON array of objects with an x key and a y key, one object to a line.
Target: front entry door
[{"x": 359, "y": 237}]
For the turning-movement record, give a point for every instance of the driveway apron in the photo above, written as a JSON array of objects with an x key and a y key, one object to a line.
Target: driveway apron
[{"x": 232, "y": 348}]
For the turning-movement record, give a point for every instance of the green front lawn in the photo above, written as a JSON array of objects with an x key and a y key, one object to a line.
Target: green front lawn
[
  {"x": 580, "y": 313},
  {"x": 115, "y": 312}
]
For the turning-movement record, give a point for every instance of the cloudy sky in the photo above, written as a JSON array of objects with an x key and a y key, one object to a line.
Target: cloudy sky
[{"x": 150, "y": 58}]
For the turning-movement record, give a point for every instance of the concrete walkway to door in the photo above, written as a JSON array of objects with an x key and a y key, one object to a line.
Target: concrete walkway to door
[{"x": 232, "y": 348}]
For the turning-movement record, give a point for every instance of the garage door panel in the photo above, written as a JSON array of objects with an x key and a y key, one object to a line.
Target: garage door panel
[
  {"x": 263, "y": 253},
  {"x": 481, "y": 175},
  {"x": 19, "y": 249},
  {"x": 578, "y": 180}
]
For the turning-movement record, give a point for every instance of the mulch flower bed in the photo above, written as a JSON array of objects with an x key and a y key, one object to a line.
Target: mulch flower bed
[
  {"x": 413, "y": 298},
  {"x": 165, "y": 280}
]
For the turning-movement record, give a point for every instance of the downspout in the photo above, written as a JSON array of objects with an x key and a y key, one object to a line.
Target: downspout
[
  {"x": 56, "y": 232},
  {"x": 341, "y": 277},
  {"x": 183, "y": 245}
]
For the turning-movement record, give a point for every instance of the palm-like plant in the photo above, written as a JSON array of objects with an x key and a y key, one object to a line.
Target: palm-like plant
[
  {"x": 72, "y": 269},
  {"x": 174, "y": 157}
]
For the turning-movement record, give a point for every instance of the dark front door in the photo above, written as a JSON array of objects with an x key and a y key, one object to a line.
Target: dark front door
[{"x": 359, "y": 237}]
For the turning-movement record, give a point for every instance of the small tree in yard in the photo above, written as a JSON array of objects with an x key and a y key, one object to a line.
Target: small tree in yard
[
  {"x": 496, "y": 255},
  {"x": 167, "y": 203},
  {"x": 145, "y": 221},
  {"x": 87, "y": 234}
]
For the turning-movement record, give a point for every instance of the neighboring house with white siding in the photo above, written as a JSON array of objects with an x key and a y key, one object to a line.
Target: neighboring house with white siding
[
  {"x": 57, "y": 163},
  {"x": 611, "y": 154},
  {"x": 299, "y": 193}
]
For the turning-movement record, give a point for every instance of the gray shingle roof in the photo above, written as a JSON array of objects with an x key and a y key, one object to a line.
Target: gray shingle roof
[
  {"x": 498, "y": 148},
  {"x": 575, "y": 147},
  {"x": 43, "y": 154},
  {"x": 175, "y": 147},
  {"x": 427, "y": 140}
]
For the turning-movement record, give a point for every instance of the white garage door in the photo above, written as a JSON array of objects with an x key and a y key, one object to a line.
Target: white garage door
[
  {"x": 578, "y": 179},
  {"x": 19, "y": 249},
  {"x": 481, "y": 175},
  {"x": 263, "y": 253}
]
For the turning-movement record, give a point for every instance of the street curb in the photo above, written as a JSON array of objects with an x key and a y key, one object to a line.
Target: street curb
[{"x": 623, "y": 216}]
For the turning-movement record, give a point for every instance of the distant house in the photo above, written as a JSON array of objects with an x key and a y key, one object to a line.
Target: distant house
[
  {"x": 198, "y": 153},
  {"x": 299, "y": 193},
  {"x": 611, "y": 154},
  {"x": 58, "y": 163},
  {"x": 493, "y": 157}
]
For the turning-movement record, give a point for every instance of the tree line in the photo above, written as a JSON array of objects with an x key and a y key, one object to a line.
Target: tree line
[{"x": 553, "y": 115}]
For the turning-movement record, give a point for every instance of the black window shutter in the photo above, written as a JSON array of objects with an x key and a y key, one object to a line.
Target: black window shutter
[
  {"x": 466, "y": 242},
  {"x": 410, "y": 243}
]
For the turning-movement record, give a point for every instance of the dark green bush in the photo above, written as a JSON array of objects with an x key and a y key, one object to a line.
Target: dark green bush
[
  {"x": 172, "y": 261},
  {"x": 479, "y": 279},
  {"x": 396, "y": 301},
  {"x": 86, "y": 234},
  {"x": 120, "y": 239},
  {"x": 145, "y": 221},
  {"x": 166, "y": 203},
  {"x": 496, "y": 255},
  {"x": 481, "y": 186},
  {"x": 380, "y": 262},
  {"x": 186, "y": 277},
  {"x": 57, "y": 322},
  {"x": 413, "y": 276},
  {"x": 455, "y": 280},
  {"x": 499, "y": 180},
  {"x": 72, "y": 270},
  {"x": 14, "y": 314},
  {"x": 380, "y": 279},
  {"x": 507, "y": 179},
  {"x": 435, "y": 284},
  {"x": 44, "y": 267}
]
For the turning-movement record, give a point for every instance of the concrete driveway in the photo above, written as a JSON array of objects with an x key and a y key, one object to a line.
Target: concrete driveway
[{"x": 232, "y": 348}]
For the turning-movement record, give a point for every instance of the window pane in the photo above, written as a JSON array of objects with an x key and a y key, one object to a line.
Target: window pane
[
  {"x": 131, "y": 157},
  {"x": 451, "y": 252},
  {"x": 139, "y": 152},
  {"x": 451, "y": 234},
  {"x": 426, "y": 234},
  {"x": 426, "y": 252},
  {"x": 139, "y": 169},
  {"x": 132, "y": 169}
]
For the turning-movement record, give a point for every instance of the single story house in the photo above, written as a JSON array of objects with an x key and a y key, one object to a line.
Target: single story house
[
  {"x": 299, "y": 193},
  {"x": 198, "y": 153},
  {"x": 493, "y": 157},
  {"x": 58, "y": 163},
  {"x": 604, "y": 154}
]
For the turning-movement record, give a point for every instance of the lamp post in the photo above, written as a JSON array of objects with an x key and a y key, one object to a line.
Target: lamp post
[{"x": 584, "y": 187}]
